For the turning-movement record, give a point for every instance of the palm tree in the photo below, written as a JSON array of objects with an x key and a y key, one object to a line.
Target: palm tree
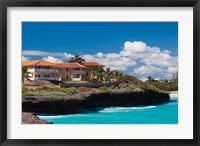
[
  {"x": 76, "y": 58},
  {"x": 108, "y": 74},
  {"x": 25, "y": 74},
  {"x": 99, "y": 73},
  {"x": 117, "y": 74}
]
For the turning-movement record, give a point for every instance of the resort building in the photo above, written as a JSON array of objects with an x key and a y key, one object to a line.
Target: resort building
[
  {"x": 90, "y": 66},
  {"x": 44, "y": 70},
  {"x": 72, "y": 72}
]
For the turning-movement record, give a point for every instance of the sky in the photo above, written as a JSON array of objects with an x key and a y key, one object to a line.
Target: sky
[{"x": 141, "y": 49}]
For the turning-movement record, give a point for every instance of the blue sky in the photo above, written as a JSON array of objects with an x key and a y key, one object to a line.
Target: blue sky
[{"x": 138, "y": 48}]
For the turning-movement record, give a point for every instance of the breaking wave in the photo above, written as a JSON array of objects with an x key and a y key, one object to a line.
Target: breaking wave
[{"x": 124, "y": 109}]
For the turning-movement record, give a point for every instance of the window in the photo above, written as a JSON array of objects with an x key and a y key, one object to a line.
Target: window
[
  {"x": 48, "y": 67},
  {"x": 44, "y": 75},
  {"x": 47, "y": 75},
  {"x": 35, "y": 75},
  {"x": 38, "y": 75},
  {"x": 86, "y": 74},
  {"x": 38, "y": 67},
  {"x": 77, "y": 76},
  {"x": 77, "y": 68},
  {"x": 67, "y": 69},
  {"x": 67, "y": 77}
]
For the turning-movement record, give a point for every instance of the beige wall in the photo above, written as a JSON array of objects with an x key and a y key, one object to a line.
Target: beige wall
[{"x": 64, "y": 74}]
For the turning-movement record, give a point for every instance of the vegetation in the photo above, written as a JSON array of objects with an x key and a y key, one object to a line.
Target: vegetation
[
  {"x": 106, "y": 75},
  {"x": 165, "y": 85},
  {"x": 25, "y": 74},
  {"x": 134, "y": 82},
  {"x": 105, "y": 89},
  {"x": 117, "y": 75},
  {"x": 76, "y": 58},
  {"x": 47, "y": 91}
]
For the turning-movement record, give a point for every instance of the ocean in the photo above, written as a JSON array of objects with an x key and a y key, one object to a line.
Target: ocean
[{"x": 166, "y": 113}]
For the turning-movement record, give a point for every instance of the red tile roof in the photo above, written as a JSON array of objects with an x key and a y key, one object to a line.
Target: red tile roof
[
  {"x": 61, "y": 65},
  {"x": 91, "y": 64},
  {"x": 71, "y": 65},
  {"x": 39, "y": 63}
]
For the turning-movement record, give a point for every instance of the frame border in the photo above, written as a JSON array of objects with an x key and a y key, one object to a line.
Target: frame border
[{"x": 97, "y": 3}]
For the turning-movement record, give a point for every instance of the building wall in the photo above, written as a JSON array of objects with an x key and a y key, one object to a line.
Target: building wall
[
  {"x": 65, "y": 74},
  {"x": 71, "y": 74},
  {"x": 43, "y": 73}
]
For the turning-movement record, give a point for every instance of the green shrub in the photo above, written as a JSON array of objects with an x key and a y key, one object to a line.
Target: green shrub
[
  {"x": 105, "y": 89},
  {"x": 25, "y": 91}
]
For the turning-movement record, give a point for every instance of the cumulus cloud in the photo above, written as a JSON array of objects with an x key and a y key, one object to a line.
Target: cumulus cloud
[
  {"x": 148, "y": 70},
  {"x": 148, "y": 55},
  {"x": 24, "y": 58},
  {"x": 52, "y": 59},
  {"x": 99, "y": 54},
  {"x": 68, "y": 55},
  {"x": 173, "y": 70},
  {"x": 112, "y": 60}
]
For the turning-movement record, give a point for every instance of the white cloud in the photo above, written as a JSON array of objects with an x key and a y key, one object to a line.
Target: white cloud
[
  {"x": 52, "y": 59},
  {"x": 88, "y": 57},
  {"x": 148, "y": 55},
  {"x": 41, "y": 53},
  {"x": 147, "y": 70},
  {"x": 166, "y": 51},
  {"x": 99, "y": 54},
  {"x": 24, "y": 58},
  {"x": 112, "y": 60},
  {"x": 134, "y": 47},
  {"x": 173, "y": 70},
  {"x": 68, "y": 55}
]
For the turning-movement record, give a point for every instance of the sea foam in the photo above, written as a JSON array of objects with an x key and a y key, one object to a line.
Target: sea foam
[{"x": 124, "y": 109}]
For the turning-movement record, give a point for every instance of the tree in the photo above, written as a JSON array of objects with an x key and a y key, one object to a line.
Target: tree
[
  {"x": 117, "y": 74},
  {"x": 76, "y": 58},
  {"x": 108, "y": 74},
  {"x": 150, "y": 79},
  {"x": 99, "y": 73},
  {"x": 25, "y": 74}
]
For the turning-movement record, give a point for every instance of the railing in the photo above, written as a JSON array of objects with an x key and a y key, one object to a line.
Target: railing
[
  {"x": 79, "y": 72},
  {"x": 47, "y": 78},
  {"x": 46, "y": 70},
  {"x": 76, "y": 79}
]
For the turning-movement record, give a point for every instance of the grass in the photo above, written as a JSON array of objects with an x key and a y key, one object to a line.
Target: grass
[
  {"x": 105, "y": 89},
  {"x": 48, "y": 91}
]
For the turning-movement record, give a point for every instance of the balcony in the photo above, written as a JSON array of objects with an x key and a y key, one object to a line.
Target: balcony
[
  {"x": 76, "y": 79},
  {"x": 79, "y": 72},
  {"x": 48, "y": 78},
  {"x": 46, "y": 70}
]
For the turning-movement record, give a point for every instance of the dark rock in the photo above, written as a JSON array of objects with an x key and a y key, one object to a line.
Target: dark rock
[
  {"x": 31, "y": 118},
  {"x": 70, "y": 104}
]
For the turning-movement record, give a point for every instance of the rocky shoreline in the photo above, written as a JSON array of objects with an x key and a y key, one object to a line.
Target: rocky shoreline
[
  {"x": 72, "y": 103},
  {"x": 31, "y": 118}
]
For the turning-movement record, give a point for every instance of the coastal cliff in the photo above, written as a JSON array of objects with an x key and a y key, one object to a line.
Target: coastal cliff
[
  {"x": 31, "y": 118},
  {"x": 72, "y": 103}
]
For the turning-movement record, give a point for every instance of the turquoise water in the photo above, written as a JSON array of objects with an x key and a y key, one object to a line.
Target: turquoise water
[{"x": 154, "y": 114}]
